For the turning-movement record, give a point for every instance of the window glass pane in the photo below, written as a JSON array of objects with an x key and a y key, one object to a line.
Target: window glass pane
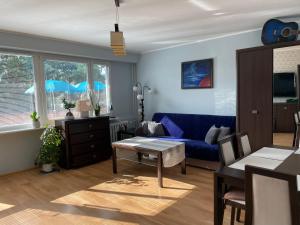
[
  {"x": 16, "y": 89},
  {"x": 64, "y": 79},
  {"x": 101, "y": 86}
]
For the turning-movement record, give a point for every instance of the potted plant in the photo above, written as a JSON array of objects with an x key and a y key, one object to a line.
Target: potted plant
[
  {"x": 68, "y": 106},
  {"x": 35, "y": 120},
  {"x": 50, "y": 150},
  {"x": 95, "y": 103},
  {"x": 97, "y": 109}
]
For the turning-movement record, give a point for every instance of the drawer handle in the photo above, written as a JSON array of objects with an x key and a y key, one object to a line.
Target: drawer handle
[
  {"x": 91, "y": 136},
  {"x": 285, "y": 108},
  {"x": 92, "y": 146},
  {"x": 90, "y": 126}
]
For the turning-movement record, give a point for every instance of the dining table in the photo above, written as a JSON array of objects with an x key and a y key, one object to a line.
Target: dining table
[{"x": 278, "y": 158}]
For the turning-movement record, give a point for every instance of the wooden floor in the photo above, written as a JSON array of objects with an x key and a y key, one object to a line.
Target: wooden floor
[
  {"x": 93, "y": 195},
  {"x": 283, "y": 139}
]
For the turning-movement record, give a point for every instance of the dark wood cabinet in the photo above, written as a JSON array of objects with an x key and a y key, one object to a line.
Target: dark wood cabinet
[
  {"x": 283, "y": 115},
  {"x": 87, "y": 141},
  {"x": 255, "y": 97},
  {"x": 255, "y": 93}
]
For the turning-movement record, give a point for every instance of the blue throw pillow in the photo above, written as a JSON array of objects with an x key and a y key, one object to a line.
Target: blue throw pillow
[{"x": 171, "y": 127}]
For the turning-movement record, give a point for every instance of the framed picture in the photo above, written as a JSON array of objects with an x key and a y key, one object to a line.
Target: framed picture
[{"x": 197, "y": 74}]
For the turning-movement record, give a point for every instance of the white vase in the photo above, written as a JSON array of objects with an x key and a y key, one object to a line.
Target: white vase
[
  {"x": 36, "y": 124},
  {"x": 47, "y": 168},
  {"x": 69, "y": 115},
  {"x": 84, "y": 114}
]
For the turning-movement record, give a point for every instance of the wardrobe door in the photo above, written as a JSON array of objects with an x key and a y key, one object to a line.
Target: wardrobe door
[{"x": 255, "y": 97}]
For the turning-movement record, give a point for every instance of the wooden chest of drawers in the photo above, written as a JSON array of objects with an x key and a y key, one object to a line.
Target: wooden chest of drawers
[{"x": 87, "y": 141}]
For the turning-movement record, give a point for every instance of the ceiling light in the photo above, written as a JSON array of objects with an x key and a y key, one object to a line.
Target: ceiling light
[
  {"x": 219, "y": 14},
  {"x": 117, "y": 41},
  {"x": 203, "y": 5}
]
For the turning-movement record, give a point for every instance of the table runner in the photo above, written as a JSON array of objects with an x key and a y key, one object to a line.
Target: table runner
[
  {"x": 273, "y": 153},
  {"x": 173, "y": 152},
  {"x": 256, "y": 161}
]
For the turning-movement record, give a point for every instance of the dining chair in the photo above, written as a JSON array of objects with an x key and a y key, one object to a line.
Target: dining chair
[
  {"x": 297, "y": 136},
  {"x": 233, "y": 197},
  {"x": 244, "y": 146},
  {"x": 296, "y": 130},
  {"x": 271, "y": 197}
]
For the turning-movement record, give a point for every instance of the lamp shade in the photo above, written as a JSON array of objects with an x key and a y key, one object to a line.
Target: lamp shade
[
  {"x": 139, "y": 97},
  {"x": 83, "y": 105},
  {"x": 135, "y": 88}
]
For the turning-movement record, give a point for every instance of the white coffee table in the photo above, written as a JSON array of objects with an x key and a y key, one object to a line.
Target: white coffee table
[{"x": 169, "y": 153}]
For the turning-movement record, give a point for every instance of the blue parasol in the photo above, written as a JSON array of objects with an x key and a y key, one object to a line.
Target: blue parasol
[
  {"x": 82, "y": 86},
  {"x": 55, "y": 86}
]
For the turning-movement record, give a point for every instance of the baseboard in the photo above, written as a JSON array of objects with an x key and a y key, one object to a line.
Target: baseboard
[{"x": 204, "y": 164}]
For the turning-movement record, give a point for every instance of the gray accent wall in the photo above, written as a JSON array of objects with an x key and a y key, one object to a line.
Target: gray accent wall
[{"x": 161, "y": 70}]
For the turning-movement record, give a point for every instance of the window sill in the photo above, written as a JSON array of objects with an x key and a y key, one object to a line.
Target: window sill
[{"x": 13, "y": 131}]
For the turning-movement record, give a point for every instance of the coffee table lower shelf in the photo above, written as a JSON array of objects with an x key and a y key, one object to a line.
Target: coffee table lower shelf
[{"x": 156, "y": 163}]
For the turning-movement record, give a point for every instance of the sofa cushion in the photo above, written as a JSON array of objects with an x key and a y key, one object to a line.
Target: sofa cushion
[
  {"x": 197, "y": 149},
  {"x": 195, "y": 126},
  {"x": 171, "y": 127},
  {"x": 223, "y": 132},
  {"x": 153, "y": 129},
  {"x": 212, "y": 135}
]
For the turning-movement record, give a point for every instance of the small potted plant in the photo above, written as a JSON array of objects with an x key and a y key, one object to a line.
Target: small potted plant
[
  {"x": 97, "y": 109},
  {"x": 68, "y": 106},
  {"x": 50, "y": 150},
  {"x": 35, "y": 120},
  {"x": 95, "y": 103}
]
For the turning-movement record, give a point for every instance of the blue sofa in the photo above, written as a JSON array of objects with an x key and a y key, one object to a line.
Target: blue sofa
[{"x": 191, "y": 129}]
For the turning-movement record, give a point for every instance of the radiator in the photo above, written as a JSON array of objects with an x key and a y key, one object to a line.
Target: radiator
[{"x": 115, "y": 126}]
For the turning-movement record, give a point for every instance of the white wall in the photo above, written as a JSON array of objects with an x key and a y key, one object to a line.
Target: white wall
[
  {"x": 18, "y": 150},
  {"x": 161, "y": 70}
]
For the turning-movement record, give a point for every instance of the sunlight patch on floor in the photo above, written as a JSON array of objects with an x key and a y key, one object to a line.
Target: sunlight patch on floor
[
  {"x": 135, "y": 195},
  {"x": 4, "y": 206},
  {"x": 37, "y": 216}
]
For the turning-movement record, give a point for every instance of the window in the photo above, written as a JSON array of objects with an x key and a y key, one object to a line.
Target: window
[
  {"x": 39, "y": 82},
  {"x": 16, "y": 90},
  {"x": 101, "y": 86},
  {"x": 64, "y": 79}
]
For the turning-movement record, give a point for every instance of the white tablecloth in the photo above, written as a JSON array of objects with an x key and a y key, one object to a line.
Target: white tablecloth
[{"x": 173, "y": 152}]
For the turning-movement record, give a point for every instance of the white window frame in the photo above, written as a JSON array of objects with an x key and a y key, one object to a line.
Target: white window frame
[
  {"x": 39, "y": 81},
  {"x": 24, "y": 126},
  {"x": 108, "y": 83}
]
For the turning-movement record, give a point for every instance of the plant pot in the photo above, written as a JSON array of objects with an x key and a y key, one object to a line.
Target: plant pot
[
  {"x": 36, "y": 124},
  {"x": 69, "y": 115},
  {"x": 47, "y": 168},
  {"x": 97, "y": 112}
]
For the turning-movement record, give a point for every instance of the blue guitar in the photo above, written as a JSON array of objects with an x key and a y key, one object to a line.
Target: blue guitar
[{"x": 275, "y": 31}]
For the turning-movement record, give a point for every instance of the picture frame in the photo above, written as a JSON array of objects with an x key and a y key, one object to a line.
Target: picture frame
[{"x": 197, "y": 74}]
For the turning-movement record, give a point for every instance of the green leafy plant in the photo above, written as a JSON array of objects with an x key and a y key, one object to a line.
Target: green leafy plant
[
  {"x": 34, "y": 116},
  {"x": 95, "y": 102},
  {"x": 68, "y": 105},
  {"x": 97, "y": 109},
  {"x": 50, "y": 150}
]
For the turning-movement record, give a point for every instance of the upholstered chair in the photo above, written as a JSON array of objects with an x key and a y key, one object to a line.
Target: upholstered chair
[
  {"x": 271, "y": 197},
  {"x": 233, "y": 197},
  {"x": 243, "y": 144},
  {"x": 296, "y": 131}
]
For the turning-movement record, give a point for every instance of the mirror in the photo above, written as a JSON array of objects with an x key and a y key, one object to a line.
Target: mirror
[{"x": 286, "y": 69}]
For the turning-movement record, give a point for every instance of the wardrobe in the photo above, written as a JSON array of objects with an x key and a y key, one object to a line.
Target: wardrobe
[{"x": 255, "y": 93}]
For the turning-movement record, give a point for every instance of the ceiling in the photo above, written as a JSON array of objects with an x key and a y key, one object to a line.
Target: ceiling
[{"x": 147, "y": 24}]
